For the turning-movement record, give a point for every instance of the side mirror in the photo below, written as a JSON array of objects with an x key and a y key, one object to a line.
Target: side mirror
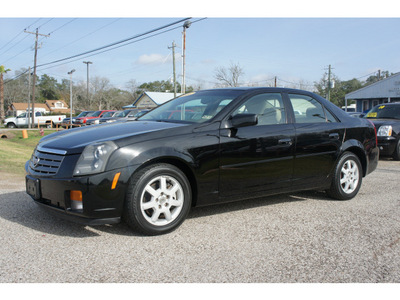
[{"x": 243, "y": 120}]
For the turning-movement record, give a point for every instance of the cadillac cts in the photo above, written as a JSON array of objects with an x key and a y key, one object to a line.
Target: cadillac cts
[{"x": 208, "y": 147}]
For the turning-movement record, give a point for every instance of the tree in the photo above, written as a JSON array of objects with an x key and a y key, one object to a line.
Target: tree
[
  {"x": 48, "y": 88},
  {"x": 3, "y": 70},
  {"x": 338, "y": 90},
  {"x": 379, "y": 76},
  {"x": 162, "y": 86},
  {"x": 229, "y": 76}
]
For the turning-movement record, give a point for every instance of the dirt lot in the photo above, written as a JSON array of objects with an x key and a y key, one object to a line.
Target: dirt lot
[{"x": 303, "y": 237}]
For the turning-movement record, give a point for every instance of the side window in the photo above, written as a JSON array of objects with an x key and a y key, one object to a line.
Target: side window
[
  {"x": 268, "y": 107},
  {"x": 309, "y": 110}
]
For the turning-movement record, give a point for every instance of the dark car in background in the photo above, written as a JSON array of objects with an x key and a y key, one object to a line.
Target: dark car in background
[
  {"x": 224, "y": 145},
  {"x": 386, "y": 118},
  {"x": 66, "y": 122}
]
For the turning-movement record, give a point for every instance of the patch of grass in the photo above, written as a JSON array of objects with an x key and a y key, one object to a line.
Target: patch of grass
[{"x": 15, "y": 150}]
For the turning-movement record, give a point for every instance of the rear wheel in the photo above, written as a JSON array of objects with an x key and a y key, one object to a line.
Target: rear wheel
[
  {"x": 158, "y": 199},
  {"x": 347, "y": 177}
]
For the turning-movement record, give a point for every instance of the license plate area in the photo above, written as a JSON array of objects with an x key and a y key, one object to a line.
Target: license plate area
[{"x": 33, "y": 187}]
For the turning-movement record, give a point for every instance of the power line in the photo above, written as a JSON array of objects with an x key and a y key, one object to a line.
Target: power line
[
  {"x": 82, "y": 37},
  {"x": 22, "y": 31},
  {"x": 62, "y": 26},
  {"x": 115, "y": 43}
]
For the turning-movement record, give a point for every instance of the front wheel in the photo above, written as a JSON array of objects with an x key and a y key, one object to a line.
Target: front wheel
[
  {"x": 347, "y": 177},
  {"x": 158, "y": 199}
]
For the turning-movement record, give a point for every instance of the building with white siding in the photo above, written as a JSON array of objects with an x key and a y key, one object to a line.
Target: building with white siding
[{"x": 383, "y": 91}]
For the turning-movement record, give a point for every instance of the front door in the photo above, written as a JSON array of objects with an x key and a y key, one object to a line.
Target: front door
[{"x": 257, "y": 158}]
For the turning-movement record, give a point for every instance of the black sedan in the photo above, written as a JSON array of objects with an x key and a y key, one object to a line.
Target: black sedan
[
  {"x": 386, "y": 118},
  {"x": 203, "y": 148}
]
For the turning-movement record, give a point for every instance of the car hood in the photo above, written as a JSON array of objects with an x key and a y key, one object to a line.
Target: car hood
[
  {"x": 73, "y": 141},
  {"x": 379, "y": 122}
]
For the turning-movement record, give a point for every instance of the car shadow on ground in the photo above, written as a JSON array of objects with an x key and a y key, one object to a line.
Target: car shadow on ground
[{"x": 19, "y": 208}]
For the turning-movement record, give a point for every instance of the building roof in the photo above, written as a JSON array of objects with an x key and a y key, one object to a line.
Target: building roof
[
  {"x": 24, "y": 106},
  {"x": 52, "y": 104},
  {"x": 386, "y": 88},
  {"x": 161, "y": 98},
  {"x": 157, "y": 97}
]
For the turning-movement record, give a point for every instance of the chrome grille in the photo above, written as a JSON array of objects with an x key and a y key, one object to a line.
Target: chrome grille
[{"x": 45, "y": 163}]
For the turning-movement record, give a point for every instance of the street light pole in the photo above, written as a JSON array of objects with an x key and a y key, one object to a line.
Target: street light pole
[
  {"x": 185, "y": 25},
  {"x": 70, "y": 95},
  {"x": 87, "y": 81}
]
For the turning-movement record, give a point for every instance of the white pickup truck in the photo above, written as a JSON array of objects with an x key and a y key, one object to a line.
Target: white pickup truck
[{"x": 40, "y": 118}]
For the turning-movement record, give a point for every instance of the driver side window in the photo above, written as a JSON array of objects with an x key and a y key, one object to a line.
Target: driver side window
[{"x": 268, "y": 107}]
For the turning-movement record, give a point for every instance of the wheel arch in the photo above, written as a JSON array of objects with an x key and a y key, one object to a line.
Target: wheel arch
[
  {"x": 181, "y": 165},
  {"x": 356, "y": 148}
]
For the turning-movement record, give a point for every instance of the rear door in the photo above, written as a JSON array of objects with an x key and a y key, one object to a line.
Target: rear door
[{"x": 319, "y": 137}]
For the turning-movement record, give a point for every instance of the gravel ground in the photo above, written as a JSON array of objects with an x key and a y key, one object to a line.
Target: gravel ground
[{"x": 302, "y": 237}]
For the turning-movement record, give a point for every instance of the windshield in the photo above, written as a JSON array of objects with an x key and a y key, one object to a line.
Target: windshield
[
  {"x": 122, "y": 114},
  {"x": 108, "y": 114},
  {"x": 82, "y": 114},
  {"x": 197, "y": 107},
  {"x": 384, "y": 112},
  {"x": 94, "y": 114}
]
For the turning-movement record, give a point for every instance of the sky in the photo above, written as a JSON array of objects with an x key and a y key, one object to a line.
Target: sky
[{"x": 295, "y": 46}]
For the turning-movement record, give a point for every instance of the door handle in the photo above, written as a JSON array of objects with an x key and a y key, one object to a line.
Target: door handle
[
  {"x": 285, "y": 142},
  {"x": 334, "y": 136}
]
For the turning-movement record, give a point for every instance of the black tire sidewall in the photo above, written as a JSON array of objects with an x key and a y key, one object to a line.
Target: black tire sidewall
[
  {"x": 336, "y": 190},
  {"x": 142, "y": 180}
]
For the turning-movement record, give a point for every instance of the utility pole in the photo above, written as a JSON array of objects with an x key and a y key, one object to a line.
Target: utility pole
[
  {"x": 87, "y": 81},
  {"x": 185, "y": 25},
  {"x": 173, "y": 63},
  {"x": 329, "y": 82},
  {"x": 34, "y": 69},
  {"x": 29, "y": 98},
  {"x": 275, "y": 81},
  {"x": 70, "y": 95}
]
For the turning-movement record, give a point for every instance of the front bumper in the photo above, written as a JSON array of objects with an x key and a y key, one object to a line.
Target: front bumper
[
  {"x": 101, "y": 204},
  {"x": 387, "y": 145}
]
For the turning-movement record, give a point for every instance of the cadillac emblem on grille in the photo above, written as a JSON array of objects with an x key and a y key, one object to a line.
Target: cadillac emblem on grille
[{"x": 35, "y": 161}]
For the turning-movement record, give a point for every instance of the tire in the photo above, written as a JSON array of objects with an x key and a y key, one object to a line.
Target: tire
[
  {"x": 347, "y": 177},
  {"x": 158, "y": 200},
  {"x": 396, "y": 153},
  {"x": 11, "y": 125}
]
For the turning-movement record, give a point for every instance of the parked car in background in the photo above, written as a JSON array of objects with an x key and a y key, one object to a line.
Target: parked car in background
[
  {"x": 96, "y": 114},
  {"x": 356, "y": 114},
  {"x": 224, "y": 145},
  {"x": 41, "y": 118},
  {"x": 66, "y": 122},
  {"x": 134, "y": 115},
  {"x": 386, "y": 118},
  {"x": 106, "y": 115},
  {"x": 120, "y": 115}
]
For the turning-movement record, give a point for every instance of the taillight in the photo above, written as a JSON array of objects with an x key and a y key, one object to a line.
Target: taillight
[{"x": 376, "y": 135}]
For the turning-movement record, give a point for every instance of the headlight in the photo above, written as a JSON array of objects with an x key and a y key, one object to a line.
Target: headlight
[
  {"x": 110, "y": 121},
  {"x": 385, "y": 131},
  {"x": 96, "y": 122},
  {"x": 94, "y": 158}
]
